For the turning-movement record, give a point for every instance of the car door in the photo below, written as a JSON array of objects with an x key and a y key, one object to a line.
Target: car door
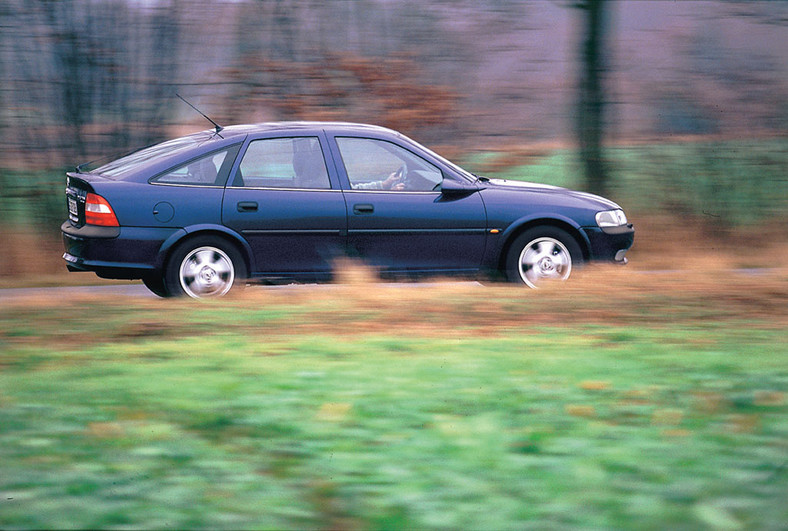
[
  {"x": 281, "y": 199},
  {"x": 398, "y": 217}
]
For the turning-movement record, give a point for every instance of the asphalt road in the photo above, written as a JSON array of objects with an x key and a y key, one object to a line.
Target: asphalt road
[
  {"x": 137, "y": 289},
  {"x": 130, "y": 290}
]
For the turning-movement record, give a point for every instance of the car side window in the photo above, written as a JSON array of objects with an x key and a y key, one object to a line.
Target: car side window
[
  {"x": 373, "y": 164},
  {"x": 208, "y": 170},
  {"x": 283, "y": 163}
]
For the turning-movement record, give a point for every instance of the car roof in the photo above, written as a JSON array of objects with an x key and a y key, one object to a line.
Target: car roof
[
  {"x": 336, "y": 127},
  {"x": 202, "y": 141}
]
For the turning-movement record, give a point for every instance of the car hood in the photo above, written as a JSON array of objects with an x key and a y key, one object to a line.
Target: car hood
[{"x": 525, "y": 186}]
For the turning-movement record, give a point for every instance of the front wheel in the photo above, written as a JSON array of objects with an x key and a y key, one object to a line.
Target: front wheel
[
  {"x": 205, "y": 267},
  {"x": 542, "y": 254}
]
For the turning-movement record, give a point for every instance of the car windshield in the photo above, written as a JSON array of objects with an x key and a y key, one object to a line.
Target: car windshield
[
  {"x": 149, "y": 155},
  {"x": 462, "y": 171}
]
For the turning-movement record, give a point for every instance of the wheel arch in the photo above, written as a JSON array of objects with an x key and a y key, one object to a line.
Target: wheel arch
[
  {"x": 191, "y": 233},
  {"x": 518, "y": 228}
]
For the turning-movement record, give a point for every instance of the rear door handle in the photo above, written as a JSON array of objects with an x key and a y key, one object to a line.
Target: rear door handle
[
  {"x": 247, "y": 206},
  {"x": 363, "y": 209}
]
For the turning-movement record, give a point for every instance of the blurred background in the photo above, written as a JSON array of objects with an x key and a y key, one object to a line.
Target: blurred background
[
  {"x": 677, "y": 110},
  {"x": 622, "y": 400}
]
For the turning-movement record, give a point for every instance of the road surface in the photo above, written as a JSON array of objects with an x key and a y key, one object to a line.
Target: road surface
[{"x": 137, "y": 289}]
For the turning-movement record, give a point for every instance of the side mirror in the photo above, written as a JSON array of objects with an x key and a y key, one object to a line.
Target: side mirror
[{"x": 452, "y": 188}]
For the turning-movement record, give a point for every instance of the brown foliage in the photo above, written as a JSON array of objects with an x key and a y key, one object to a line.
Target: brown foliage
[
  {"x": 27, "y": 254},
  {"x": 343, "y": 86}
]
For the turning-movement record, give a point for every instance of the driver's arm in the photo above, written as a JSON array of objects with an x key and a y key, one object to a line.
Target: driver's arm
[
  {"x": 392, "y": 182},
  {"x": 371, "y": 185}
]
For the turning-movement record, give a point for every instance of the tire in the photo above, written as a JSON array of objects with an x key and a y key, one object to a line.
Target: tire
[
  {"x": 206, "y": 266},
  {"x": 155, "y": 283},
  {"x": 542, "y": 254}
]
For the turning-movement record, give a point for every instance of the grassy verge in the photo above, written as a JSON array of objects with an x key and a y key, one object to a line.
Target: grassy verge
[
  {"x": 725, "y": 184},
  {"x": 657, "y": 402}
]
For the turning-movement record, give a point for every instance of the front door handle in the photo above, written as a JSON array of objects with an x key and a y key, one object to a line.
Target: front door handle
[
  {"x": 247, "y": 206},
  {"x": 363, "y": 209}
]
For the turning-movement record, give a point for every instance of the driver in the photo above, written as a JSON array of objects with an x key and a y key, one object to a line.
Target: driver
[{"x": 395, "y": 181}]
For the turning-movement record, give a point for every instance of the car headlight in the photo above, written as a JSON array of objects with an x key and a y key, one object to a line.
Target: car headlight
[{"x": 611, "y": 218}]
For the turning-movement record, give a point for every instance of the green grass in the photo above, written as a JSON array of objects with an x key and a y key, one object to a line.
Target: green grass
[
  {"x": 34, "y": 199},
  {"x": 730, "y": 183},
  {"x": 148, "y": 415}
]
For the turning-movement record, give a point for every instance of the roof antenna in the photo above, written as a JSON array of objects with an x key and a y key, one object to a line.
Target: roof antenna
[{"x": 217, "y": 126}]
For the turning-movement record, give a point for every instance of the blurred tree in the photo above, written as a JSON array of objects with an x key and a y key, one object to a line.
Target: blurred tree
[
  {"x": 72, "y": 50},
  {"x": 86, "y": 78},
  {"x": 339, "y": 61},
  {"x": 591, "y": 96},
  {"x": 163, "y": 69},
  {"x": 89, "y": 77},
  {"x": 384, "y": 91}
]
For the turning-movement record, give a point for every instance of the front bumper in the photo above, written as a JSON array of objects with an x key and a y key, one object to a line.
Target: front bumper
[{"x": 610, "y": 244}]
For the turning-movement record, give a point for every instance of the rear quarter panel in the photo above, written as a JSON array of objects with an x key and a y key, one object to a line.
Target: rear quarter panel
[
  {"x": 153, "y": 218},
  {"x": 149, "y": 205}
]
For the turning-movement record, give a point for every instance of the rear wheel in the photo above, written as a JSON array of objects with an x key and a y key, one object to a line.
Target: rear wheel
[
  {"x": 203, "y": 267},
  {"x": 155, "y": 283},
  {"x": 542, "y": 254}
]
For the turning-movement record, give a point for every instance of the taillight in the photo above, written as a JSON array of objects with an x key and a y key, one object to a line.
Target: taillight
[{"x": 98, "y": 212}]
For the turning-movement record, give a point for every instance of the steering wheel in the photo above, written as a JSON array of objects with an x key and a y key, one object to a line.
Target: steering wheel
[{"x": 402, "y": 175}]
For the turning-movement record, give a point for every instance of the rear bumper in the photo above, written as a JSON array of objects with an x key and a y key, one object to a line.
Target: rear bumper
[
  {"x": 114, "y": 252},
  {"x": 610, "y": 245},
  {"x": 107, "y": 269}
]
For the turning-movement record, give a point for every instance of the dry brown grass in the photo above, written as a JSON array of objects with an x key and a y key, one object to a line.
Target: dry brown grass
[
  {"x": 30, "y": 259},
  {"x": 362, "y": 306},
  {"x": 699, "y": 245},
  {"x": 27, "y": 254},
  {"x": 698, "y": 282}
]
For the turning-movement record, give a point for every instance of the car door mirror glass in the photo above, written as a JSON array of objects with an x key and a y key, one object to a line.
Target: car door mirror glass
[{"x": 453, "y": 187}]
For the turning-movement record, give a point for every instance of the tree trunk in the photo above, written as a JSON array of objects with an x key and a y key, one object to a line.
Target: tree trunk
[{"x": 590, "y": 112}]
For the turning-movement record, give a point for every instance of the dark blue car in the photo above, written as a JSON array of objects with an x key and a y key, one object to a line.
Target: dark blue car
[{"x": 201, "y": 214}]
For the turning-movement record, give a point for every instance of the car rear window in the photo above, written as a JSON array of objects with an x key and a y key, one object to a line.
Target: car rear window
[
  {"x": 149, "y": 156},
  {"x": 208, "y": 170}
]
